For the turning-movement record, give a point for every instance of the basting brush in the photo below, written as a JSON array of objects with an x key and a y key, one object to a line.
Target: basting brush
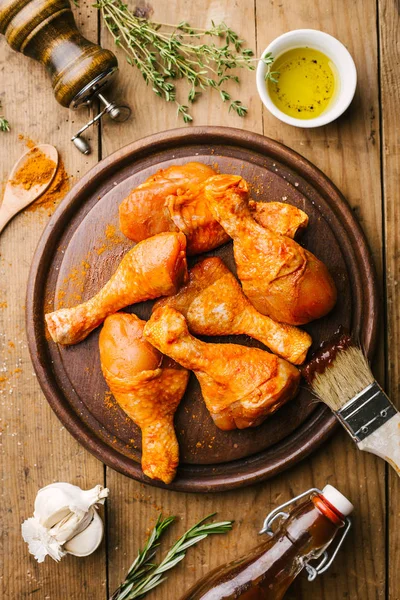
[{"x": 339, "y": 374}]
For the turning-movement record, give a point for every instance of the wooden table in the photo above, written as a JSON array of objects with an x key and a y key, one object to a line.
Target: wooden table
[{"x": 361, "y": 154}]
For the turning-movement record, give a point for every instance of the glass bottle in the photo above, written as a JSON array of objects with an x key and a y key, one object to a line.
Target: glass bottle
[{"x": 267, "y": 571}]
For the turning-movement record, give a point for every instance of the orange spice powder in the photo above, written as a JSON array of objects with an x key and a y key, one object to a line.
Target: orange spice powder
[
  {"x": 28, "y": 142},
  {"x": 55, "y": 193},
  {"x": 77, "y": 280},
  {"x": 36, "y": 170},
  {"x": 112, "y": 235},
  {"x": 112, "y": 238}
]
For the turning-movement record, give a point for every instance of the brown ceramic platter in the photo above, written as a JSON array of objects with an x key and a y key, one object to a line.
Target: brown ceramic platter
[{"x": 80, "y": 249}]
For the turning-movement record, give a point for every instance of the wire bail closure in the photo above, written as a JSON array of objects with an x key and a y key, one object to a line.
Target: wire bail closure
[{"x": 327, "y": 558}]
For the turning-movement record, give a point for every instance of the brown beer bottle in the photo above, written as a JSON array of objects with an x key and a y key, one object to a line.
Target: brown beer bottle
[{"x": 267, "y": 571}]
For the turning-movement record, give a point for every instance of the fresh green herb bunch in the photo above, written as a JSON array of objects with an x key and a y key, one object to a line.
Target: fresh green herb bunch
[
  {"x": 4, "y": 124},
  {"x": 164, "y": 53},
  {"x": 144, "y": 575}
]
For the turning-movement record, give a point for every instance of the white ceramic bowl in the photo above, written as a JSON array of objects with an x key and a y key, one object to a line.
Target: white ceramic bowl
[{"x": 331, "y": 47}]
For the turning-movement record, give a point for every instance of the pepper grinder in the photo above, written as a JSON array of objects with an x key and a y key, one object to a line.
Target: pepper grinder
[{"x": 45, "y": 30}]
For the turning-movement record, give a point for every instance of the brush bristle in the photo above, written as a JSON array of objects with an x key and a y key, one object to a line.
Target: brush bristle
[{"x": 346, "y": 377}]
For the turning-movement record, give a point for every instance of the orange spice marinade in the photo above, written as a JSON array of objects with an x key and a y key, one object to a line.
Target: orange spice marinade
[{"x": 37, "y": 170}]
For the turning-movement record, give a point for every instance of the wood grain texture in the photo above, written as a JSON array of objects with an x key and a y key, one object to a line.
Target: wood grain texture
[
  {"x": 35, "y": 449},
  {"x": 348, "y": 152},
  {"x": 389, "y": 20}
]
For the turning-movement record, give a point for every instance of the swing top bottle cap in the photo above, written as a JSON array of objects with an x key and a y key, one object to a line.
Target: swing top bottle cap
[{"x": 337, "y": 500}]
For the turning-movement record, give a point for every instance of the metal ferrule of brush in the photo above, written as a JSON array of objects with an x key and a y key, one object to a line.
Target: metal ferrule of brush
[{"x": 366, "y": 412}]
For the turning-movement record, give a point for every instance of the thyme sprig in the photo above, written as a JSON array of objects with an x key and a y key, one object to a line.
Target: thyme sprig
[
  {"x": 4, "y": 124},
  {"x": 268, "y": 59},
  {"x": 164, "y": 53},
  {"x": 144, "y": 575}
]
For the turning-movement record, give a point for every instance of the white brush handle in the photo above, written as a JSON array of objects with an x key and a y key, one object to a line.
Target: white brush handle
[{"x": 385, "y": 442}]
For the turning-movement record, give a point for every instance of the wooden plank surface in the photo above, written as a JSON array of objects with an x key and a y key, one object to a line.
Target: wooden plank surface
[
  {"x": 37, "y": 450},
  {"x": 389, "y": 21}
]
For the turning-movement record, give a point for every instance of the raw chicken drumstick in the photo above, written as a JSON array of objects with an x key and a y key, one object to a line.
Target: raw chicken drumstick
[
  {"x": 280, "y": 278},
  {"x": 155, "y": 267},
  {"x": 214, "y": 304},
  {"x": 241, "y": 386},
  {"x": 148, "y": 387},
  {"x": 173, "y": 200}
]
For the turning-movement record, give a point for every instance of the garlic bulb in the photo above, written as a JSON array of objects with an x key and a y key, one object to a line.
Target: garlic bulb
[{"x": 64, "y": 512}]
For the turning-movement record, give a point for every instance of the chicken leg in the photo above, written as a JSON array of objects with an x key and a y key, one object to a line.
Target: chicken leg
[
  {"x": 148, "y": 387},
  {"x": 280, "y": 278},
  {"x": 155, "y": 267},
  {"x": 241, "y": 386},
  {"x": 173, "y": 199},
  {"x": 214, "y": 304}
]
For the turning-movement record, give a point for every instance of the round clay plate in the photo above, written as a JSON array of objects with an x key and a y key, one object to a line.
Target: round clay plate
[{"x": 82, "y": 246}]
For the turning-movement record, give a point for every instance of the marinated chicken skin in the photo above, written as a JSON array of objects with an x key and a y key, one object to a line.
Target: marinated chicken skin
[
  {"x": 214, "y": 304},
  {"x": 173, "y": 200},
  {"x": 241, "y": 386},
  {"x": 148, "y": 387},
  {"x": 146, "y": 212},
  {"x": 282, "y": 218},
  {"x": 280, "y": 278},
  {"x": 155, "y": 267}
]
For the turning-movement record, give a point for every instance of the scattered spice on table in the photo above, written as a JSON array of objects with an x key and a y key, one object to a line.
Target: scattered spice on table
[{"x": 29, "y": 143}]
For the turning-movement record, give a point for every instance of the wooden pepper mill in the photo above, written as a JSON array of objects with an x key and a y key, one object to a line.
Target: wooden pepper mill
[{"x": 46, "y": 31}]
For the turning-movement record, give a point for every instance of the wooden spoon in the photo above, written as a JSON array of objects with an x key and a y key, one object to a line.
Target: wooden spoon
[{"x": 16, "y": 197}]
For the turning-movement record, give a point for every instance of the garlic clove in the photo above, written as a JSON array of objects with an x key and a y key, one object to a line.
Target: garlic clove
[
  {"x": 88, "y": 540},
  {"x": 50, "y": 508},
  {"x": 70, "y": 526}
]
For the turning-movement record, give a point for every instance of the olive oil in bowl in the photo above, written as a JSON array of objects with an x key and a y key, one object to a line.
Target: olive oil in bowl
[{"x": 306, "y": 83}]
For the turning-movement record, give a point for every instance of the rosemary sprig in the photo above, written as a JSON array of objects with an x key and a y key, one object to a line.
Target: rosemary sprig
[
  {"x": 164, "y": 53},
  {"x": 142, "y": 563},
  {"x": 4, "y": 124},
  {"x": 143, "y": 576}
]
